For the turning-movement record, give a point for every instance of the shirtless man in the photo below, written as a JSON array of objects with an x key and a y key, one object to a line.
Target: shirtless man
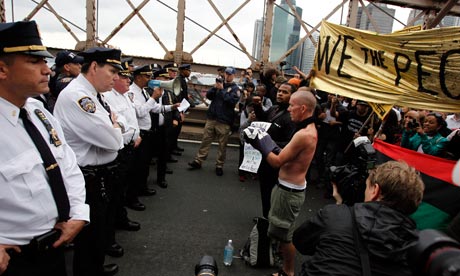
[{"x": 293, "y": 160}]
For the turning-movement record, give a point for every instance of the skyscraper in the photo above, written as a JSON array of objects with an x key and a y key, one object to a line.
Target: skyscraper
[
  {"x": 447, "y": 21},
  {"x": 258, "y": 39},
  {"x": 308, "y": 54},
  {"x": 382, "y": 16},
  {"x": 285, "y": 33}
]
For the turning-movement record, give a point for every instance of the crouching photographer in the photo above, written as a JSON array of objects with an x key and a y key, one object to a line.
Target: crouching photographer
[{"x": 372, "y": 237}]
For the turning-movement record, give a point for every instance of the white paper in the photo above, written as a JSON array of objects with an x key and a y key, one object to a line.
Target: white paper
[
  {"x": 251, "y": 160},
  {"x": 264, "y": 126},
  {"x": 184, "y": 105}
]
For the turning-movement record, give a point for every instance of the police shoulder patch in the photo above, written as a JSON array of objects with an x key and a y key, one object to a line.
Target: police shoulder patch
[
  {"x": 87, "y": 104},
  {"x": 66, "y": 80},
  {"x": 229, "y": 89}
]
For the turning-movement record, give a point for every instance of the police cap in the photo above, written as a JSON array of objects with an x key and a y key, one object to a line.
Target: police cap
[
  {"x": 125, "y": 71},
  {"x": 160, "y": 73},
  {"x": 22, "y": 37},
  {"x": 64, "y": 57},
  {"x": 143, "y": 70},
  {"x": 185, "y": 67},
  {"x": 171, "y": 66},
  {"x": 103, "y": 55}
]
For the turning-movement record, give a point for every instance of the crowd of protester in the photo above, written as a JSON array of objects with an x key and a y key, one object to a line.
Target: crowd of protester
[{"x": 138, "y": 123}]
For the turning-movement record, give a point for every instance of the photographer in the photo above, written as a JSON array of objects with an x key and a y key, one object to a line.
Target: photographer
[
  {"x": 379, "y": 229},
  {"x": 424, "y": 138}
]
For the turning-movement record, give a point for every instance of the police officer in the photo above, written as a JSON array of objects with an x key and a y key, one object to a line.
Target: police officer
[
  {"x": 68, "y": 67},
  {"x": 42, "y": 199},
  {"x": 143, "y": 103},
  {"x": 171, "y": 69},
  {"x": 121, "y": 104},
  {"x": 96, "y": 137},
  {"x": 146, "y": 105},
  {"x": 184, "y": 73},
  {"x": 163, "y": 130}
]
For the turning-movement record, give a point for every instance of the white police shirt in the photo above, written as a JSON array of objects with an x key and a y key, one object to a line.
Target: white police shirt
[
  {"x": 27, "y": 206},
  {"x": 86, "y": 124},
  {"x": 145, "y": 104},
  {"x": 123, "y": 107}
]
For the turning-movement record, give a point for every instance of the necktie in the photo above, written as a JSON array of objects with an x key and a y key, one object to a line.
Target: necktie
[
  {"x": 52, "y": 168},
  {"x": 155, "y": 119},
  {"x": 105, "y": 105}
]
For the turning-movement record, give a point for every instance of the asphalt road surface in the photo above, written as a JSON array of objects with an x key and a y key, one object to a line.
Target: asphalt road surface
[{"x": 195, "y": 216}]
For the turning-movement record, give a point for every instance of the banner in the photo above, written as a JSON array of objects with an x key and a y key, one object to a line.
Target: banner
[
  {"x": 441, "y": 198},
  {"x": 418, "y": 69}
]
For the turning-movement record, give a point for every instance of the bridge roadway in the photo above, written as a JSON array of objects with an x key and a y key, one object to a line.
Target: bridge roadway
[{"x": 195, "y": 216}]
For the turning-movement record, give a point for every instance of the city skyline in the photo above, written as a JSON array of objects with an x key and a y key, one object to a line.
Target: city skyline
[{"x": 135, "y": 39}]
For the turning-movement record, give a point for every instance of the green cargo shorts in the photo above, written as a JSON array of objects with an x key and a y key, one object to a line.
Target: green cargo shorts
[{"x": 285, "y": 207}]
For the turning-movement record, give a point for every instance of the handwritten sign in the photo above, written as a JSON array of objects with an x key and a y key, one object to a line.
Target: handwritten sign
[{"x": 251, "y": 160}]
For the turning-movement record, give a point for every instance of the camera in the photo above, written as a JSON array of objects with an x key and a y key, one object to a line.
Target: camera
[
  {"x": 435, "y": 254},
  {"x": 206, "y": 267},
  {"x": 283, "y": 63},
  {"x": 413, "y": 124},
  {"x": 350, "y": 178}
]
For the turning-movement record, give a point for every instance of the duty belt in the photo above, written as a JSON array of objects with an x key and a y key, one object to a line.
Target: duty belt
[{"x": 100, "y": 172}]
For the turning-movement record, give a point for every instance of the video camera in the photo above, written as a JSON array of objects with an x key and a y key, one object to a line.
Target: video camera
[
  {"x": 435, "y": 254},
  {"x": 350, "y": 178},
  {"x": 413, "y": 124},
  {"x": 206, "y": 267}
]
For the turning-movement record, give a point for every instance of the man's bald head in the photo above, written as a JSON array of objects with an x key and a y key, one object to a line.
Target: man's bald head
[{"x": 305, "y": 97}]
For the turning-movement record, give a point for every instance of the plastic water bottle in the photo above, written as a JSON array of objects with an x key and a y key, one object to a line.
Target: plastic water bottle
[{"x": 228, "y": 253}]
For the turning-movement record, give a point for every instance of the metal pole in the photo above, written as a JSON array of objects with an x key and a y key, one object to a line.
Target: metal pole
[
  {"x": 90, "y": 24},
  {"x": 267, "y": 30},
  {"x": 2, "y": 11},
  {"x": 364, "y": 124},
  {"x": 352, "y": 21},
  {"x": 180, "y": 32}
]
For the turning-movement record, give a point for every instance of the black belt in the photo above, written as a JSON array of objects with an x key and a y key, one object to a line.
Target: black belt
[
  {"x": 290, "y": 189},
  {"x": 38, "y": 244},
  {"x": 144, "y": 132},
  {"x": 100, "y": 168}
]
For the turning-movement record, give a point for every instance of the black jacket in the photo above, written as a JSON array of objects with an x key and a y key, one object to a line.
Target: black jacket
[
  {"x": 222, "y": 107},
  {"x": 282, "y": 128},
  {"x": 328, "y": 237}
]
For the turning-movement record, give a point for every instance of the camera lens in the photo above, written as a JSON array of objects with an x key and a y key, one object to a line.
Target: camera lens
[{"x": 207, "y": 266}]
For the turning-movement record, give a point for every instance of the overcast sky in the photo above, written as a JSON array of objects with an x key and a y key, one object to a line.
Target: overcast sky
[{"x": 135, "y": 39}]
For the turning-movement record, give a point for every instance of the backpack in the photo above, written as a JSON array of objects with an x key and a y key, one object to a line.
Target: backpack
[{"x": 259, "y": 250}]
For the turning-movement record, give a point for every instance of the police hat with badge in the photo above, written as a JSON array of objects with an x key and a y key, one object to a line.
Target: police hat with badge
[
  {"x": 143, "y": 70},
  {"x": 64, "y": 57},
  {"x": 171, "y": 67},
  {"x": 161, "y": 73},
  {"x": 125, "y": 71},
  {"x": 22, "y": 37},
  {"x": 103, "y": 55},
  {"x": 129, "y": 60},
  {"x": 185, "y": 67}
]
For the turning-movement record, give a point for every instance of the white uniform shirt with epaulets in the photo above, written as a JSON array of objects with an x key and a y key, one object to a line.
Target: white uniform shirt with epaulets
[
  {"x": 86, "y": 124},
  {"x": 145, "y": 104},
  {"x": 123, "y": 107},
  {"x": 27, "y": 206}
]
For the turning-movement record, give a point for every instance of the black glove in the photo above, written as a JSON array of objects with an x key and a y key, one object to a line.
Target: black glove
[{"x": 261, "y": 141}]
